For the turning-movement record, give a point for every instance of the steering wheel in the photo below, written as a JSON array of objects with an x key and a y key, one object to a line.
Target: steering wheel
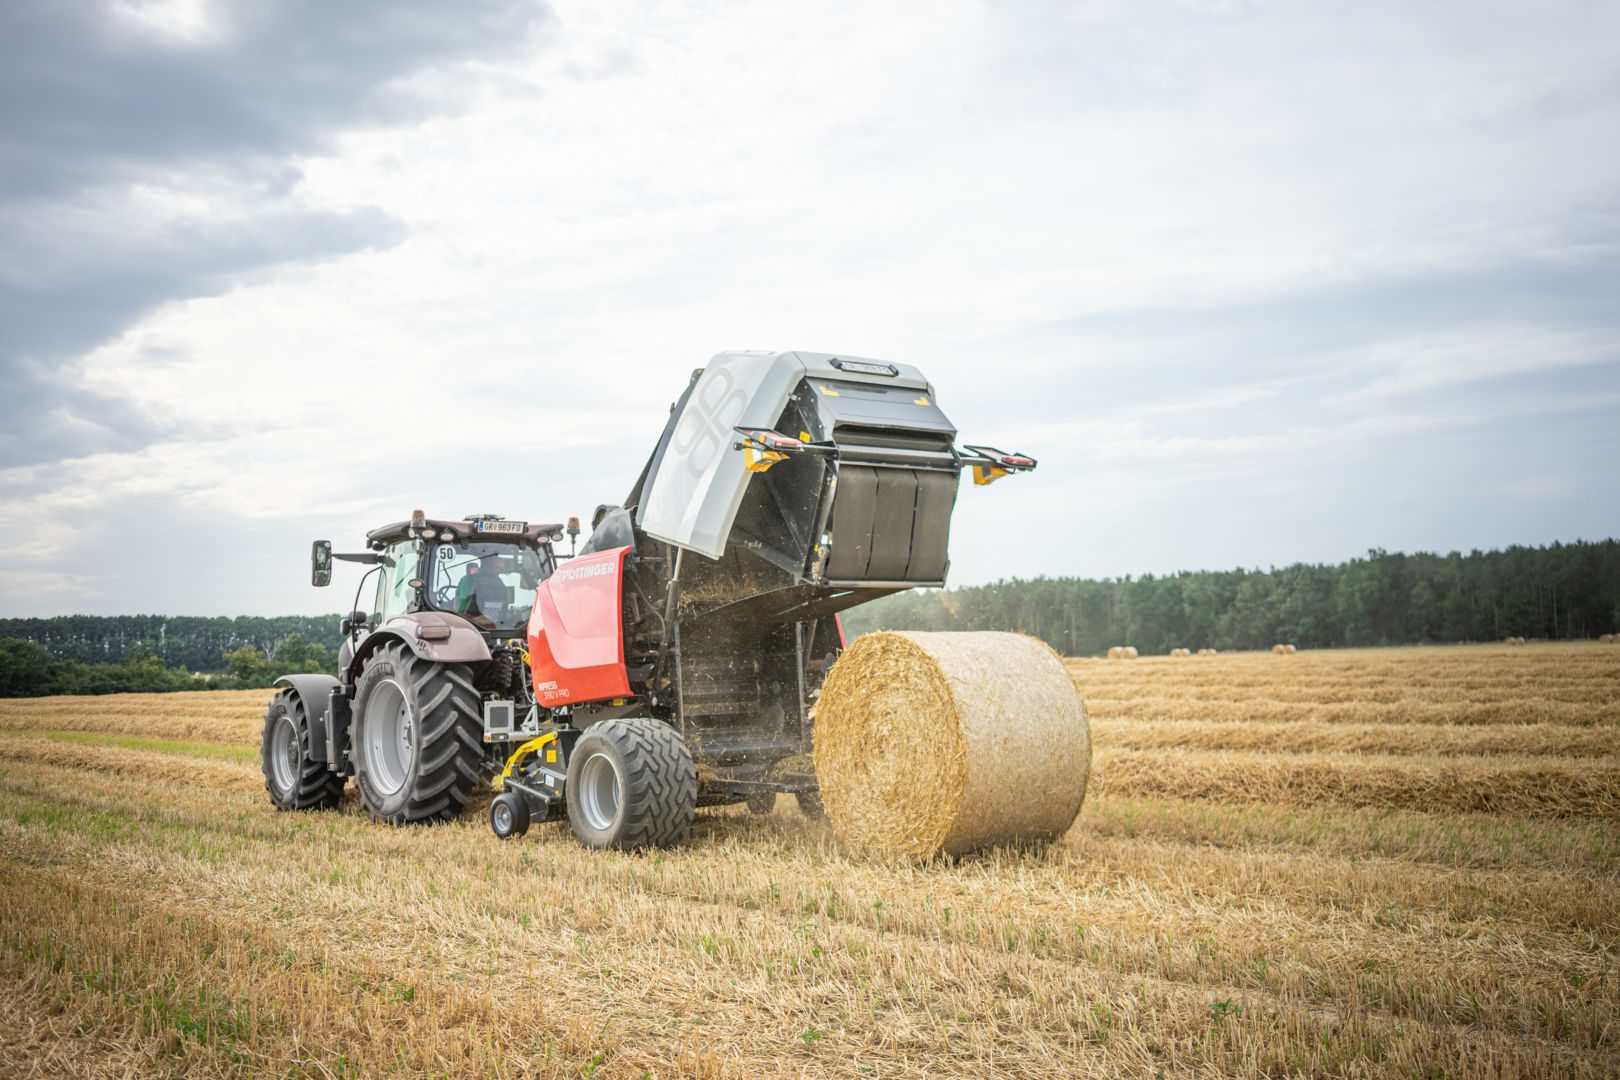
[{"x": 445, "y": 597}]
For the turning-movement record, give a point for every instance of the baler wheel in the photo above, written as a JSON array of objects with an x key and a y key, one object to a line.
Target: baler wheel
[
  {"x": 509, "y": 815},
  {"x": 810, "y": 805},
  {"x": 294, "y": 781},
  {"x": 418, "y": 737},
  {"x": 631, "y": 784}
]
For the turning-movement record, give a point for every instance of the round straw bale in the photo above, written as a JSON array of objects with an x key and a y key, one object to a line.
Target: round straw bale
[
  {"x": 1278, "y": 649},
  {"x": 1607, "y": 639},
  {"x": 1115, "y": 652},
  {"x": 1290, "y": 649},
  {"x": 931, "y": 743},
  {"x": 1129, "y": 652}
]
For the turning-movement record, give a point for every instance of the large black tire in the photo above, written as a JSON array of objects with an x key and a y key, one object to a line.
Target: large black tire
[
  {"x": 294, "y": 780},
  {"x": 417, "y": 737},
  {"x": 631, "y": 784}
]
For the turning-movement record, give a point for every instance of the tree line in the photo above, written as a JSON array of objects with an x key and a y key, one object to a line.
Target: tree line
[
  {"x": 1559, "y": 592},
  {"x": 182, "y": 641},
  {"x": 27, "y": 669},
  {"x": 1563, "y": 591}
]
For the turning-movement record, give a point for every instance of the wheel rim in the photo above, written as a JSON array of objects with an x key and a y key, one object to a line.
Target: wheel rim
[
  {"x": 389, "y": 744},
  {"x": 599, "y": 789},
  {"x": 284, "y": 755},
  {"x": 503, "y": 817}
]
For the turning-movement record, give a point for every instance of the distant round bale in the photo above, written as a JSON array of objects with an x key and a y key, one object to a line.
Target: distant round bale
[
  {"x": 1208, "y": 652},
  {"x": 1290, "y": 649},
  {"x": 1115, "y": 652},
  {"x": 1130, "y": 652},
  {"x": 944, "y": 743},
  {"x": 1608, "y": 639},
  {"x": 1279, "y": 649}
]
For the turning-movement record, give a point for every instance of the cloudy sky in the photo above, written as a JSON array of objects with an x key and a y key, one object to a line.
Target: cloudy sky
[{"x": 1258, "y": 283}]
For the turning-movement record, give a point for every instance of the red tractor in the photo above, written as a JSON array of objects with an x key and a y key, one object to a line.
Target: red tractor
[{"x": 674, "y": 661}]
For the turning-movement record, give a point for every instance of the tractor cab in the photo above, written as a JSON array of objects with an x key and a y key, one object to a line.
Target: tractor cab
[{"x": 483, "y": 569}]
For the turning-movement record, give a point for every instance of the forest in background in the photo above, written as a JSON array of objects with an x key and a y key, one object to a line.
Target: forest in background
[{"x": 1562, "y": 591}]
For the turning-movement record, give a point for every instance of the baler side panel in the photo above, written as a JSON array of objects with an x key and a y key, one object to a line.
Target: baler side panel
[{"x": 576, "y": 631}]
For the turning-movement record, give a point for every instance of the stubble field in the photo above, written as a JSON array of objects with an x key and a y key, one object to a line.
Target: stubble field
[{"x": 1381, "y": 863}]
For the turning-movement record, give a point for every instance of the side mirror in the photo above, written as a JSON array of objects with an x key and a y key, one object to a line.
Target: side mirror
[
  {"x": 355, "y": 621},
  {"x": 320, "y": 563}
]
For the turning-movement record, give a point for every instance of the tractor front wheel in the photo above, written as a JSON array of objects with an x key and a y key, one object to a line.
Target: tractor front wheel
[
  {"x": 631, "y": 784},
  {"x": 417, "y": 737},
  {"x": 293, "y": 779}
]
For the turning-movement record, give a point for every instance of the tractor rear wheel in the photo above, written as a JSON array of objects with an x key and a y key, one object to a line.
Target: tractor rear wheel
[
  {"x": 417, "y": 737},
  {"x": 631, "y": 784},
  {"x": 293, "y": 779}
]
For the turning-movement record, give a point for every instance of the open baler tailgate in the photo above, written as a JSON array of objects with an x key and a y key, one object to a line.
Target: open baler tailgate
[{"x": 842, "y": 472}]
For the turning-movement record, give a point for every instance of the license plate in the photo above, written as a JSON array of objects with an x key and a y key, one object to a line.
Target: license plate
[{"x": 502, "y": 526}]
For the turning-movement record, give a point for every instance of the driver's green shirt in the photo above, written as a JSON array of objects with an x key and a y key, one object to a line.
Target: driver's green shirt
[{"x": 466, "y": 588}]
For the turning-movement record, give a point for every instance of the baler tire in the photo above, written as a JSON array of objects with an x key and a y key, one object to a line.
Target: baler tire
[
  {"x": 653, "y": 784},
  {"x": 445, "y": 730},
  {"x": 509, "y": 815},
  {"x": 811, "y": 806},
  {"x": 295, "y": 781}
]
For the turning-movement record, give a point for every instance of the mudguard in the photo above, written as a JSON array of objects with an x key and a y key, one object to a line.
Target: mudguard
[
  {"x": 314, "y": 691},
  {"x": 576, "y": 631},
  {"x": 465, "y": 645}
]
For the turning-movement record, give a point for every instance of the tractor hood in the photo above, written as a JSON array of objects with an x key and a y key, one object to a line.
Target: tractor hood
[{"x": 692, "y": 488}]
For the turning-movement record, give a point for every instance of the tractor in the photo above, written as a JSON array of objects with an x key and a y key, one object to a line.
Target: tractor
[{"x": 671, "y": 661}]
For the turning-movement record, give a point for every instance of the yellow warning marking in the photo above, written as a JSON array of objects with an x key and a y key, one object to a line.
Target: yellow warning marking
[
  {"x": 827, "y": 390},
  {"x": 534, "y": 745},
  {"x": 919, "y": 401}
]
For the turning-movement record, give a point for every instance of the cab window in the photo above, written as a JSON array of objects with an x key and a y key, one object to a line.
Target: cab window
[
  {"x": 491, "y": 584},
  {"x": 394, "y": 593}
]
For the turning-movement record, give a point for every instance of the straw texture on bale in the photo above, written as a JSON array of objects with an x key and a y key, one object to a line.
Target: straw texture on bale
[{"x": 944, "y": 743}]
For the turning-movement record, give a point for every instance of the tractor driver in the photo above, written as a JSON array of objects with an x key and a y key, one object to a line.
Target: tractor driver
[
  {"x": 481, "y": 594},
  {"x": 468, "y": 592}
]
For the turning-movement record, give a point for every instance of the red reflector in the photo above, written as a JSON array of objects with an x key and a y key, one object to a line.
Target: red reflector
[{"x": 1008, "y": 460}]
